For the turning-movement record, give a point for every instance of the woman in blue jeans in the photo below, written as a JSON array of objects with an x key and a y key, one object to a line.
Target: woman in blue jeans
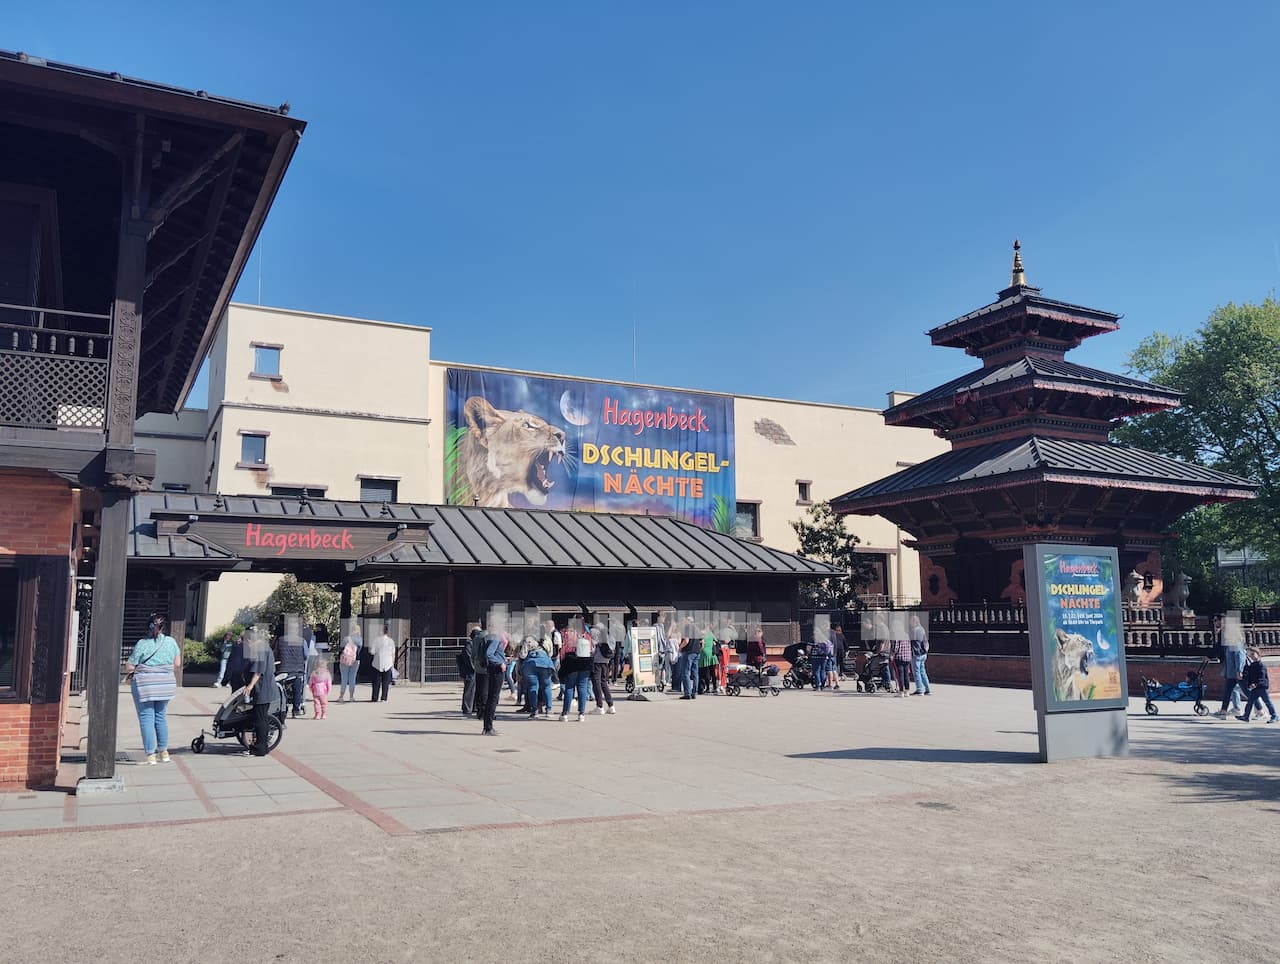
[
  {"x": 575, "y": 676},
  {"x": 152, "y": 663},
  {"x": 535, "y": 670}
]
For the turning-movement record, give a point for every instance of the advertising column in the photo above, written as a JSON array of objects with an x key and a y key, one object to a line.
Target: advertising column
[{"x": 1077, "y": 651}]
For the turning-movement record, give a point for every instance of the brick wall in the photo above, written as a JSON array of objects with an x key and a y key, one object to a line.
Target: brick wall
[
  {"x": 29, "y": 744},
  {"x": 35, "y": 515}
]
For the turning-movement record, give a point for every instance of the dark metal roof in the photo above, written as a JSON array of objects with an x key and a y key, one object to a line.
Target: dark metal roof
[
  {"x": 1043, "y": 372},
  {"x": 1015, "y": 461},
  {"x": 213, "y": 166},
  {"x": 485, "y": 538},
  {"x": 1035, "y": 304}
]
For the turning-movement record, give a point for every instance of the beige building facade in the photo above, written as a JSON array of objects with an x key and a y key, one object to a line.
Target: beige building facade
[{"x": 310, "y": 405}]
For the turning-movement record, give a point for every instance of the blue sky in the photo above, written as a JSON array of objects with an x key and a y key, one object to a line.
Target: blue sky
[{"x": 777, "y": 198}]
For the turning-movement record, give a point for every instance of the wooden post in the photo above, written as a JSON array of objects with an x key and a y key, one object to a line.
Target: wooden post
[
  {"x": 178, "y": 614},
  {"x": 103, "y": 677}
]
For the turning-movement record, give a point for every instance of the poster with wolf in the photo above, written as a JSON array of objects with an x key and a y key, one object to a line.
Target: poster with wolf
[{"x": 1080, "y": 632}]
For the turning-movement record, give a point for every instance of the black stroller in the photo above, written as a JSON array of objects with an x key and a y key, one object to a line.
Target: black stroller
[
  {"x": 874, "y": 675},
  {"x": 749, "y": 678},
  {"x": 235, "y": 718},
  {"x": 799, "y": 675}
]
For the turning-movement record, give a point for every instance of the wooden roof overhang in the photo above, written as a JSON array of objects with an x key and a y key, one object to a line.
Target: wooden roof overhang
[
  {"x": 208, "y": 166},
  {"x": 1023, "y": 313},
  {"x": 1026, "y": 387},
  {"x": 1007, "y": 488}
]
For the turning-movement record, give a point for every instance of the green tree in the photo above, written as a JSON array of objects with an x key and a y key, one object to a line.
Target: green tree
[
  {"x": 1229, "y": 420},
  {"x": 316, "y": 602},
  {"x": 823, "y": 538}
]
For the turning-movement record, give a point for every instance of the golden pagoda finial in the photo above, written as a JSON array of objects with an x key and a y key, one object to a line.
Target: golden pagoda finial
[{"x": 1018, "y": 279}]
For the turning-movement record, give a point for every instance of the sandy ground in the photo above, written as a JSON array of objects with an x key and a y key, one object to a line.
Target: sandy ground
[{"x": 1138, "y": 859}]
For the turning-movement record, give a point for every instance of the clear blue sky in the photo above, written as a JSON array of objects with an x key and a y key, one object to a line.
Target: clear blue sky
[{"x": 780, "y": 198}]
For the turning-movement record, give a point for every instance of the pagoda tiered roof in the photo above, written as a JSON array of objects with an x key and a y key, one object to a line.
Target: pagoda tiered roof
[
  {"x": 1126, "y": 396},
  {"x": 1030, "y": 431},
  {"x": 1036, "y": 459}
]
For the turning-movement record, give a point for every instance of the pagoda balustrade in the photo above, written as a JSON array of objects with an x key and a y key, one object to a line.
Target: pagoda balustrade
[{"x": 1145, "y": 632}]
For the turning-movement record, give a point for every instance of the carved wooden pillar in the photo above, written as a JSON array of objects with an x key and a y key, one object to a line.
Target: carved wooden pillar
[{"x": 121, "y": 472}]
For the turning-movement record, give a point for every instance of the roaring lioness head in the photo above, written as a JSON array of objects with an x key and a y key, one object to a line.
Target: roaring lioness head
[
  {"x": 504, "y": 453},
  {"x": 1073, "y": 656}
]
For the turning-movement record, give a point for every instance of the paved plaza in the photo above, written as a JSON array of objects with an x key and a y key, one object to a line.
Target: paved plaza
[{"x": 829, "y": 826}]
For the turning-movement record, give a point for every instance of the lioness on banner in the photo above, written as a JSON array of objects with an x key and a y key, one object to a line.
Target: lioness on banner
[{"x": 516, "y": 441}]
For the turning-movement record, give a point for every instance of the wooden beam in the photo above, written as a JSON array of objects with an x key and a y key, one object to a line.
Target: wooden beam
[
  {"x": 196, "y": 180},
  {"x": 169, "y": 262},
  {"x": 102, "y": 679}
]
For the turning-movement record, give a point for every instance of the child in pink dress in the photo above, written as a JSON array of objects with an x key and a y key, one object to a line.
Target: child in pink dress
[{"x": 320, "y": 681}]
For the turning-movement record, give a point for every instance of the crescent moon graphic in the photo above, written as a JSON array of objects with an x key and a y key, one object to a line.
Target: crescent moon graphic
[{"x": 572, "y": 415}]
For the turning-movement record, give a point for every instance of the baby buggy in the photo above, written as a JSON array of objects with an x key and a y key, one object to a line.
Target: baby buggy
[
  {"x": 874, "y": 675},
  {"x": 235, "y": 718},
  {"x": 749, "y": 678},
  {"x": 799, "y": 675},
  {"x": 1192, "y": 688}
]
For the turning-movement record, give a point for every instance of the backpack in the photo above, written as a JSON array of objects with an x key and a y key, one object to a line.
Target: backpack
[
  {"x": 584, "y": 645},
  {"x": 348, "y": 657},
  {"x": 605, "y": 649}
]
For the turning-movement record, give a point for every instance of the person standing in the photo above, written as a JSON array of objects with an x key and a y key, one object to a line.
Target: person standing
[
  {"x": 495, "y": 667},
  {"x": 919, "y": 653},
  {"x": 839, "y": 649},
  {"x": 320, "y": 682},
  {"x": 152, "y": 663},
  {"x": 536, "y": 670},
  {"x": 237, "y": 662},
  {"x": 819, "y": 653},
  {"x": 603, "y": 656},
  {"x": 467, "y": 672},
  {"x": 728, "y": 644},
  {"x": 690, "y": 654},
  {"x": 900, "y": 651},
  {"x": 348, "y": 666},
  {"x": 575, "y": 672},
  {"x": 1256, "y": 686},
  {"x": 227, "y": 642},
  {"x": 1233, "y": 663},
  {"x": 384, "y": 658},
  {"x": 292, "y": 652},
  {"x": 756, "y": 648},
  {"x": 261, "y": 691}
]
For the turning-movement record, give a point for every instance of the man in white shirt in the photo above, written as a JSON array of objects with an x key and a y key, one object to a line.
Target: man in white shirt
[{"x": 384, "y": 657}]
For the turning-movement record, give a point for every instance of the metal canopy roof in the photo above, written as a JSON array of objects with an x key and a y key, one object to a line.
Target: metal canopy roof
[
  {"x": 1016, "y": 461},
  {"x": 473, "y": 537}
]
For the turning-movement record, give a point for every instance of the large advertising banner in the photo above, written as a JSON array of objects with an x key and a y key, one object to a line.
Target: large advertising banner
[
  {"x": 1078, "y": 628},
  {"x": 525, "y": 442}
]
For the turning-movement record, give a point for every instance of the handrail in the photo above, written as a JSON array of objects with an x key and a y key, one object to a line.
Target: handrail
[{"x": 55, "y": 311}]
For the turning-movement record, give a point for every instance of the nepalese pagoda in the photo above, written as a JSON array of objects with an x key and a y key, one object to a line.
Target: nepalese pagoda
[{"x": 1031, "y": 459}]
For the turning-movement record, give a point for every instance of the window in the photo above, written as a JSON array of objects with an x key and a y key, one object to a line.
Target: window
[
  {"x": 297, "y": 492},
  {"x": 253, "y": 449},
  {"x": 8, "y": 626},
  {"x": 266, "y": 361},
  {"x": 804, "y": 494},
  {"x": 378, "y": 490},
  {"x": 746, "y": 521},
  {"x": 174, "y": 486}
]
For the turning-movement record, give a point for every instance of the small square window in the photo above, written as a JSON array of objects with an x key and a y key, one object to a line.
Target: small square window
[
  {"x": 266, "y": 361},
  {"x": 746, "y": 521},
  {"x": 253, "y": 449},
  {"x": 378, "y": 490}
]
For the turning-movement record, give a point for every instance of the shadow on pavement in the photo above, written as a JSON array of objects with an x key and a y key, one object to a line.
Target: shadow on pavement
[
  {"x": 921, "y": 755},
  {"x": 1214, "y": 751}
]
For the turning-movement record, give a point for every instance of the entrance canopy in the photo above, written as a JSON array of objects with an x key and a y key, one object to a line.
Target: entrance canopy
[{"x": 326, "y": 540}]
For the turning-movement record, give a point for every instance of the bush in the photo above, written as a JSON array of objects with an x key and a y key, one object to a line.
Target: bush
[
  {"x": 196, "y": 655},
  {"x": 213, "y": 641}
]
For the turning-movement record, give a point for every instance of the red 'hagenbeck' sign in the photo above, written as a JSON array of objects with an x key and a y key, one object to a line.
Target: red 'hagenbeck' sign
[{"x": 258, "y": 536}]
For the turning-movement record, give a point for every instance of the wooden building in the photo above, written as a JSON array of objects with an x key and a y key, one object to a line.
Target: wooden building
[
  {"x": 1031, "y": 459},
  {"x": 128, "y": 209}
]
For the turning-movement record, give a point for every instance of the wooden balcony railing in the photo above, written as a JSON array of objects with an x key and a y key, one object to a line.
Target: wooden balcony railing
[{"x": 53, "y": 368}]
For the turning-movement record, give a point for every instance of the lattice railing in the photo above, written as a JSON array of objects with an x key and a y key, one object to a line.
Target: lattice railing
[{"x": 53, "y": 376}]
